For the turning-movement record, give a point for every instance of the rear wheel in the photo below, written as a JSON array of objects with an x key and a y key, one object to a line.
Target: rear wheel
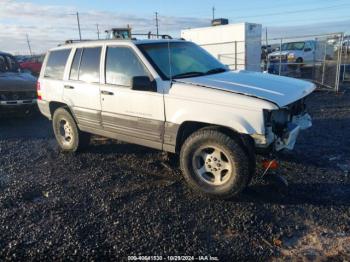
[
  {"x": 215, "y": 164},
  {"x": 68, "y": 136}
]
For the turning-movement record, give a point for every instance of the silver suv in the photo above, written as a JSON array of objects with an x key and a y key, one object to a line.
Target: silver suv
[{"x": 173, "y": 96}]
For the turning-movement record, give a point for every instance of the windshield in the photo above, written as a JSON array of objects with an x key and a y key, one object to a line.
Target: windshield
[
  {"x": 8, "y": 64},
  {"x": 187, "y": 60},
  {"x": 293, "y": 46}
]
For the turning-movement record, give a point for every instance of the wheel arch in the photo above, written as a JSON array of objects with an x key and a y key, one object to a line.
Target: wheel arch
[
  {"x": 300, "y": 59},
  {"x": 189, "y": 127},
  {"x": 54, "y": 105}
]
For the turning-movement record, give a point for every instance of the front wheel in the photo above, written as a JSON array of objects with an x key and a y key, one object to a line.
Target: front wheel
[
  {"x": 215, "y": 164},
  {"x": 68, "y": 136}
]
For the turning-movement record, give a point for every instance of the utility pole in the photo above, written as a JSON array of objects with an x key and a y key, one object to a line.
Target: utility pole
[
  {"x": 79, "y": 26},
  {"x": 213, "y": 10},
  {"x": 98, "y": 32},
  {"x": 157, "y": 25},
  {"x": 30, "y": 49}
]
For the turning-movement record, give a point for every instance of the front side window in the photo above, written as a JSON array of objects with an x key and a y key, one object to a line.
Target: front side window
[
  {"x": 3, "y": 67},
  {"x": 309, "y": 45},
  {"x": 8, "y": 64},
  {"x": 12, "y": 64},
  {"x": 122, "y": 64},
  {"x": 180, "y": 59},
  {"x": 56, "y": 63},
  {"x": 89, "y": 70}
]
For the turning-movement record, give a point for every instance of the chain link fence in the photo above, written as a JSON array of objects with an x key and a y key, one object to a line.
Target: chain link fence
[
  {"x": 345, "y": 66},
  {"x": 322, "y": 59}
]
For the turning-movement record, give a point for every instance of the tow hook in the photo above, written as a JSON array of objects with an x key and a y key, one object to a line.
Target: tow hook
[{"x": 278, "y": 181}]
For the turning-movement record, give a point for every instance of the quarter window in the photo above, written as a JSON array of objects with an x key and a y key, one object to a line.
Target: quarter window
[
  {"x": 89, "y": 70},
  {"x": 56, "y": 64},
  {"x": 308, "y": 45},
  {"x": 122, "y": 65},
  {"x": 74, "y": 71}
]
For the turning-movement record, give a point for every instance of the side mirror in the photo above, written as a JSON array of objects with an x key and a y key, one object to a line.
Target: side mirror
[
  {"x": 143, "y": 83},
  {"x": 308, "y": 49}
]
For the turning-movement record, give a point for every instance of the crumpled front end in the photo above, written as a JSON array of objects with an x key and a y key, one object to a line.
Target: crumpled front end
[{"x": 282, "y": 126}]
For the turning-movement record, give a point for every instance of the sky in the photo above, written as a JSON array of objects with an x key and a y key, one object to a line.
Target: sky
[{"x": 48, "y": 23}]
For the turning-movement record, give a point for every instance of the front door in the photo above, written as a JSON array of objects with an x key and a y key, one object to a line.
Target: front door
[{"x": 132, "y": 116}]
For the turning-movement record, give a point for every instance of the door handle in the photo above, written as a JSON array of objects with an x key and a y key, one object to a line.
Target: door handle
[
  {"x": 68, "y": 87},
  {"x": 103, "y": 92}
]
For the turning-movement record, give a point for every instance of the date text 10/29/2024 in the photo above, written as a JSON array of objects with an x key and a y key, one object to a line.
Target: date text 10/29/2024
[{"x": 173, "y": 258}]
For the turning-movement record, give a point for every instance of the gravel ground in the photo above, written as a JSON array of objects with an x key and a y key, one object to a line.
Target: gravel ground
[{"x": 115, "y": 200}]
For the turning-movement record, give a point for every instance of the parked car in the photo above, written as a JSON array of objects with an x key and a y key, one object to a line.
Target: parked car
[
  {"x": 17, "y": 89},
  {"x": 22, "y": 58},
  {"x": 33, "y": 64},
  {"x": 346, "y": 46},
  {"x": 173, "y": 96}
]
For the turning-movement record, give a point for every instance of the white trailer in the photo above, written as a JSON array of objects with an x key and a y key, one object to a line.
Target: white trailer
[{"x": 236, "y": 45}]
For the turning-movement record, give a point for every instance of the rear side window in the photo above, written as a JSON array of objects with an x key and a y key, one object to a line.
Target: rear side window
[
  {"x": 56, "y": 64},
  {"x": 89, "y": 70},
  {"x": 122, "y": 65}
]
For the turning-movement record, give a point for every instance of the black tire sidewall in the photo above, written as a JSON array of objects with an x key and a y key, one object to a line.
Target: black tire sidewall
[
  {"x": 240, "y": 176},
  {"x": 60, "y": 114}
]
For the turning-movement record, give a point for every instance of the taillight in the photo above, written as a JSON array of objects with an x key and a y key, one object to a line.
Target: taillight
[{"x": 38, "y": 90}]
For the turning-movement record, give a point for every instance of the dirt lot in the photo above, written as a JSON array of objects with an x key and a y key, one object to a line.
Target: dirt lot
[{"x": 116, "y": 200}]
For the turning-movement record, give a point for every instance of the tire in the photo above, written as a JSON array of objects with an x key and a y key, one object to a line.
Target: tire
[
  {"x": 299, "y": 61},
  {"x": 68, "y": 136},
  {"x": 215, "y": 165}
]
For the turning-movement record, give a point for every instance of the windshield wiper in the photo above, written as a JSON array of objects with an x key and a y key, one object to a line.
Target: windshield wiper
[
  {"x": 195, "y": 73},
  {"x": 188, "y": 74},
  {"x": 216, "y": 70}
]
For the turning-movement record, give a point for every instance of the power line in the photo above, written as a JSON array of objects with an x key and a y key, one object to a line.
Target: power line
[
  {"x": 293, "y": 12},
  {"x": 322, "y": 20}
]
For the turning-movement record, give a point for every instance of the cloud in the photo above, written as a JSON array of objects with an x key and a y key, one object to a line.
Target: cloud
[
  {"x": 309, "y": 29},
  {"x": 49, "y": 25}
]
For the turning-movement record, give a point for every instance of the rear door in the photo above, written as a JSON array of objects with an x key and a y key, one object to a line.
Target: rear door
[
  {"x": 82, "y": 87},
  {"x": 133, "y": 116},
  {"x": 51, "y": 80}
]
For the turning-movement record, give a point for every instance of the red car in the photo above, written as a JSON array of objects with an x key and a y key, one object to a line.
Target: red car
[{"x": 33, "y": 64}]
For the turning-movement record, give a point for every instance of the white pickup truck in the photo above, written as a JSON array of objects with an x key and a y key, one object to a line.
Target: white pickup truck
[
  {"x": 304, "y": 53},
  {"x": 174, "y": 96}
]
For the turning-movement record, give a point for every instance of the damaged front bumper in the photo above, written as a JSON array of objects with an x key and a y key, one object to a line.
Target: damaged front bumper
[{"x": 289, "y": 136}]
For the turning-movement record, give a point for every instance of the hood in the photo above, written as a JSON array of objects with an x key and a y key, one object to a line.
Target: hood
[
  {"x": 10, "y": 81},
  {"x": 280, "y": 53},
  {"x": 276, "y": 89}
]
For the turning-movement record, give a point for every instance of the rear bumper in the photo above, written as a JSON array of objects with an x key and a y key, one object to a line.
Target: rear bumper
[{"x": 44, "y": 108}]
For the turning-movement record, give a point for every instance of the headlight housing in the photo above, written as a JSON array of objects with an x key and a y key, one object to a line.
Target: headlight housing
[
  {"x": 278, "y": 119},
  {"x": 291, "y": 55}
]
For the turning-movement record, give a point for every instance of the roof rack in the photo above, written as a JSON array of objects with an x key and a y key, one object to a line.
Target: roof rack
[{"x": 148, "y": 35}]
